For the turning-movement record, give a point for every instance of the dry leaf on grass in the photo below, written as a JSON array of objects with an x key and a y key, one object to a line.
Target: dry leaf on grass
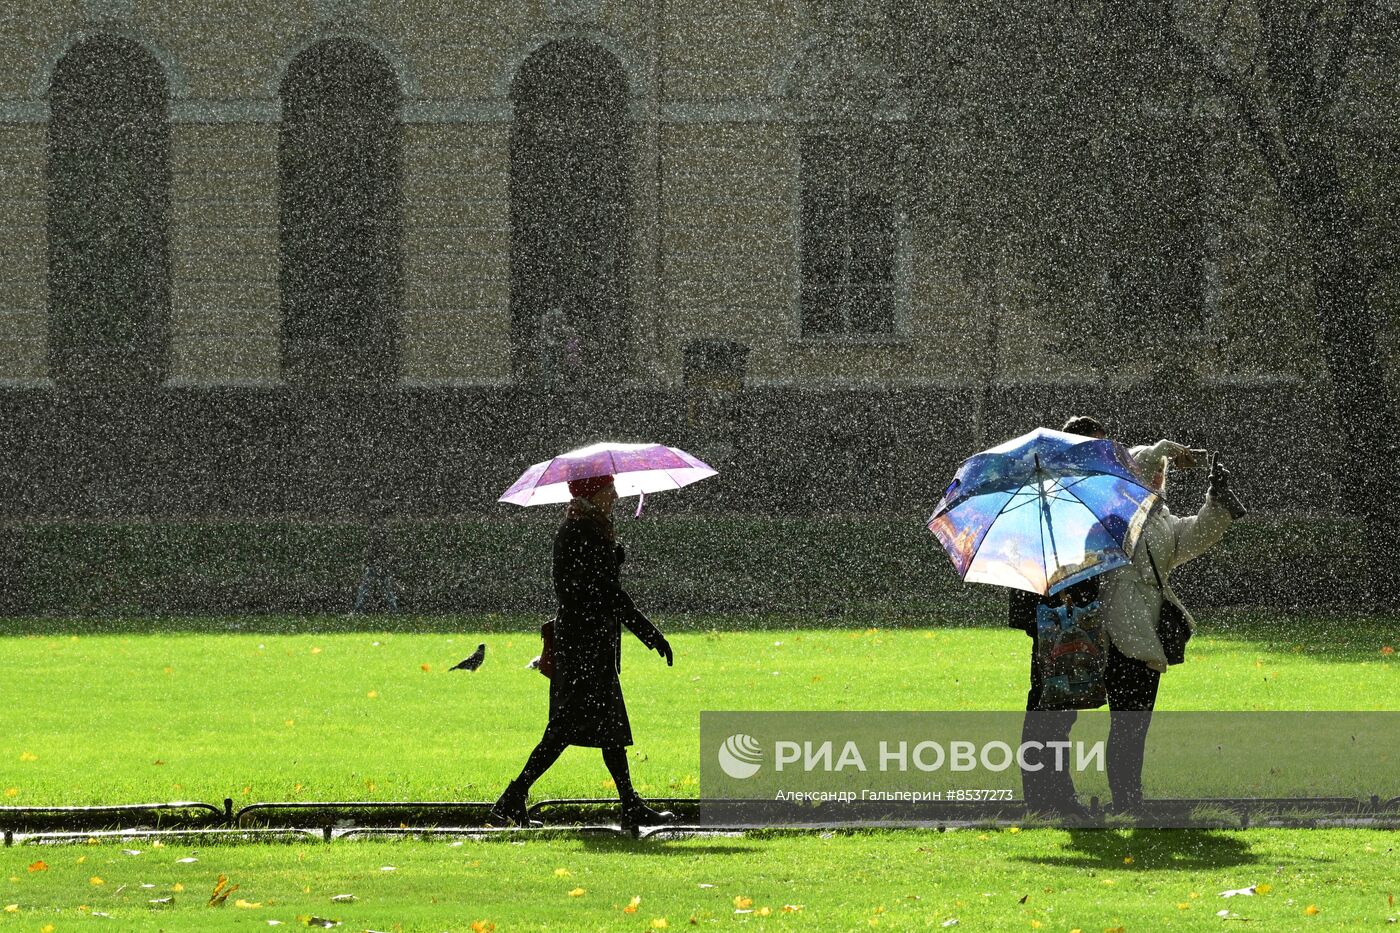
[{"x": 222, "y": 889}]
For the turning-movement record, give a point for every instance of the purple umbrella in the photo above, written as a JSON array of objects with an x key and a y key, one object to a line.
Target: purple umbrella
[{"x": 637, "y": 469}]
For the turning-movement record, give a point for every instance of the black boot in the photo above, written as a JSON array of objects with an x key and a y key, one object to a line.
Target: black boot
[
  {"x": 510, "y": 810},
  {"x": 635, "y": 812}
]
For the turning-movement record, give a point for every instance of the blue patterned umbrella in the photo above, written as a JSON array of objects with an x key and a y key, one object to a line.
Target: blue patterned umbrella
[{"x": 1043, "y": 511}]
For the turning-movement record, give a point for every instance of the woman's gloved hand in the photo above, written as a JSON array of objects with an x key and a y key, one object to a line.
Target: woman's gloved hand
[{"x": 1221, "y": 491}]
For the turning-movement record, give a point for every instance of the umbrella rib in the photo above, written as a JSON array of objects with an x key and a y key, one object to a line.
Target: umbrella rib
[{"x": 1044, "y": 568}]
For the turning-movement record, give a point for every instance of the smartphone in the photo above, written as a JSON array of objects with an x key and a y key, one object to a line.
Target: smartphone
[{"x": 1200, "y": 459}]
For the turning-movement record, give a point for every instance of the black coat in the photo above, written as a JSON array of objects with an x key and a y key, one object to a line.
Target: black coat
[{"x": 585, "y": 696}]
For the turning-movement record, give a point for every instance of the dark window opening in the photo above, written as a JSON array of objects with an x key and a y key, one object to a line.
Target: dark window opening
[
  {"x": 109, "y": 216},
  {"x": 340, "y": 164},
  {"x": 849, "y": 239},
  {"x": 569, "y": 208}
]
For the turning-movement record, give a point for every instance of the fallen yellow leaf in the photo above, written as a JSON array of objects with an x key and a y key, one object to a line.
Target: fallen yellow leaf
[
  {"x": 46, "y": 928},
  {"x": 1312, "y": 910},
  {"x": 315, "y": 650},
  {"x": 1014, "y": 829},
  {"x": 373, "y": 694},
  {"x": 1127, "y": 860},
  {"x": 28, "y": 756},
  {"x": 577, "y": 892},
  {"x": 561, "y": 873},
  {"x": 763, "y": 911},
  {"x": 1036, "y": 924},
  {"x": 12, "y": 792},
  {"x": 659, "y": 923},
  {"x": 1263, "y": 888},
  {"x": 742, "y": 903},
  {"x": 40, "y": 865},
  {"x": 483, "y": 926},
  {"x": 245, "y": 904},
  {"x": 791, "y": 908},
  {"x": 1183, "y": 906},
  {"x": 177, "y": 887},
  {"x": 633, "y": 904},
  {"x": 11, "y": 908},
  {"x": 94, "y": 881},
  {"x": 427, "y": 668}
]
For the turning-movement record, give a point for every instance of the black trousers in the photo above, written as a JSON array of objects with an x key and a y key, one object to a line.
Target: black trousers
[{"x": 1132, "y": 692}]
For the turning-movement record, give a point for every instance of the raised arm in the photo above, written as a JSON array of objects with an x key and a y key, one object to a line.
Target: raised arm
[{"x": 1196, "y": 534}]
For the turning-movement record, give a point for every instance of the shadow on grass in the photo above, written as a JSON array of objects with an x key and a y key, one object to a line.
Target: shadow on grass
[
  {"x": 921, "y": 616},
  {"x": 1149, "y": 849},
  {"x": 1326, "y": 636}
]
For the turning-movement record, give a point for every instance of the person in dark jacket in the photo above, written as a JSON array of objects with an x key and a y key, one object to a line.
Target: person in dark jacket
[{"x": 585, "y": 696}]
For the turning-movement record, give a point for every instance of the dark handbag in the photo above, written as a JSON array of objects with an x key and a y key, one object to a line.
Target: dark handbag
[
  {"x": 547, "y": 648},
  {"x": 1173, "y": 631}
]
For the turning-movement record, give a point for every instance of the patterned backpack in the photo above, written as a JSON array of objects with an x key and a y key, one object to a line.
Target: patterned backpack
[{"x": 1071, "y": 655}]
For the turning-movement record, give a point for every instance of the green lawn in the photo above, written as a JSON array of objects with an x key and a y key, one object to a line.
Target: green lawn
[
  {"x": 306, "y": 709},
  {"x": 270, "y": 715},
  {"x": 1042, "y": 879}
]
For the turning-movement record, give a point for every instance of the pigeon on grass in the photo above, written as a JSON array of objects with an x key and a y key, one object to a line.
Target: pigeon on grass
[{"x": 474, "y": 661}]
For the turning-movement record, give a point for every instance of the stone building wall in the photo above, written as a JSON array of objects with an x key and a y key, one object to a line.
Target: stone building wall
[{"x": 720, "y": 95}]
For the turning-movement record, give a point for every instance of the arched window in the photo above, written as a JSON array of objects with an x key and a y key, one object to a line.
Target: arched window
[
  {"x": 340, "y": 165},
  {"x": 850, "y": 214},
  {"x": 570, "y": 213},
  {"x": 109, "y": 216}
]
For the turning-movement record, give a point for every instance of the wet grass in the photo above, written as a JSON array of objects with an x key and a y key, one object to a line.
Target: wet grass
[
  {"x": 345, "y": 709},
  {"x": 366, "y": 715},
  {"x": 986, "y": 880}
]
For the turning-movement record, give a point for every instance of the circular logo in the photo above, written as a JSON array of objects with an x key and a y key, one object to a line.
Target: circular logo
[{"x": 740, "y": 756}]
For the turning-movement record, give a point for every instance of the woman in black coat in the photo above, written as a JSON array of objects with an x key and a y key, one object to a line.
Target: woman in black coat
[{"x": 585, "y": 696}]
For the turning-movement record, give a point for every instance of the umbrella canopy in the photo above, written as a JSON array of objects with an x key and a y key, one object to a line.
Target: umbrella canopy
[
  {"x": 636, "y": 469},
  {"x": 1043, "y": 511}
]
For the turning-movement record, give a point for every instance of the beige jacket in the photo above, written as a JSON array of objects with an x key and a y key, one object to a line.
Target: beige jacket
[{"x": 1130, "y": 598}]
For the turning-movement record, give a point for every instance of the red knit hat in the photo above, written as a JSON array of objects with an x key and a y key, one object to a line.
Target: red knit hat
[{"x": 589, "y": 485}]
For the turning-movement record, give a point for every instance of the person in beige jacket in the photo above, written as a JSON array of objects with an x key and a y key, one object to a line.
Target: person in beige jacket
[
  {"x": 1131, "y": 601},
  {"x": 1131, "y": 597}
]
